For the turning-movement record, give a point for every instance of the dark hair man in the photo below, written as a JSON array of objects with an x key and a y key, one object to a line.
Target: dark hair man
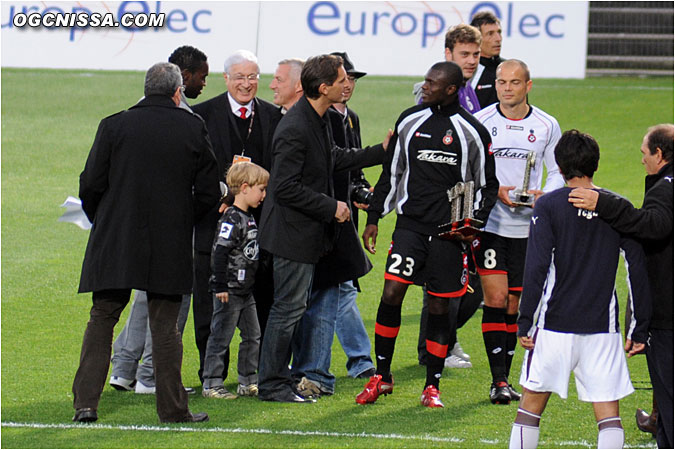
[
  {"x": 332, "y": 305},
  {"x": 436, "y": 145},
  {"x": 193, "y": 67},
  {"x": 241, "y": 127},
  {"x": 165, "y": 151},
  {"x": 571, "y": 263},
  {"x": 483, "y": 81},
  {"x": 134, "y": 343},
  {"x": 520, "y": 132},
  {"x": 300, "y": 213},
  {"x": 652, "y": 224}
]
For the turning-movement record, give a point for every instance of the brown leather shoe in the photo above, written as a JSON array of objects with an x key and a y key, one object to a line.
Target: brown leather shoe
[{"x": 645, "y": 422}]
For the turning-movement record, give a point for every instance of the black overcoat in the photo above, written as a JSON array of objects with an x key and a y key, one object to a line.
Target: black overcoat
[
  {"x": 298, "y": 215},
  {"x": 150, "y": 174}
]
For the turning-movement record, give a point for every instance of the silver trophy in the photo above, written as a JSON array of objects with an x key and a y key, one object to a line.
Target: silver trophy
[
  {"x": 520, "y": 197},
  {"x": 461, "y": 212}
]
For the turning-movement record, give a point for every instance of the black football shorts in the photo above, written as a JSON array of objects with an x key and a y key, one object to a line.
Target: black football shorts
[{"x": 440, "y": 265}]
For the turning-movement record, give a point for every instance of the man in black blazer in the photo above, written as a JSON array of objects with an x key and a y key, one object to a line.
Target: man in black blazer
[
  {"x": 300, "y": 213},
  {"x": 241, "y": 126},
  {"x": 149, "y": 175}
]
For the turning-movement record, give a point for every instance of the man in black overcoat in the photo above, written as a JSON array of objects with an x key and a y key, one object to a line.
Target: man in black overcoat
[
  {"x": 241, "y": 126},
  {"x": 150, "y": 174}
]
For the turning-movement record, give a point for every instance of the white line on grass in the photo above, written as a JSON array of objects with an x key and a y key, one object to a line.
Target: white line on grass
[{"x": 423, "y": 437}]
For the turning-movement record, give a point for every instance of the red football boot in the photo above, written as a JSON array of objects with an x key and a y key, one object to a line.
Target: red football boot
[
  {"x": 431, "y": 398},
  {"x": 374, "y": 388}
]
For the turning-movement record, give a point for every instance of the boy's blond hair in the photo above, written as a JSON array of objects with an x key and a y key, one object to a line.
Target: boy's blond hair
[{"x": 245, "y": 172}]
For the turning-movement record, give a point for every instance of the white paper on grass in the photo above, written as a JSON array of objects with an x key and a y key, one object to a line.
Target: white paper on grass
[{"x": 74, "y": 213}]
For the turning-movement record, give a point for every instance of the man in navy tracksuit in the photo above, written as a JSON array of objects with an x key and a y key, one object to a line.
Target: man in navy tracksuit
[{"x": 569, "y": 311}]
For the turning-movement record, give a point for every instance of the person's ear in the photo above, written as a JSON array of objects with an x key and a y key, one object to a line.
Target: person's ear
[{"x": 451, "y": 89}]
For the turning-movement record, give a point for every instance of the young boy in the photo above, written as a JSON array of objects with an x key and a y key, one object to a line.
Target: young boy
[
  {"x": 569, "y": 313},
  {"x": 234, "y": 260}
]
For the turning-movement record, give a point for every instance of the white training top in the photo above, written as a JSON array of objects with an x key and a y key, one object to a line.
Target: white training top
[{"x": 512, "y": 140}]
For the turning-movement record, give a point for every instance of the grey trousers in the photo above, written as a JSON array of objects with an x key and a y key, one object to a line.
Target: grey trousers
[
  {"x": 132, "y": 357},
  {"x": 238, "y": 312}
]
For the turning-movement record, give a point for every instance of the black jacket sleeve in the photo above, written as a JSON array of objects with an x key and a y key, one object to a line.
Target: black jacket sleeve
[
  {"x": 94, "y": 177},
  {"x": 653, "y": 221},
  {"x": 639, "y": 290}
]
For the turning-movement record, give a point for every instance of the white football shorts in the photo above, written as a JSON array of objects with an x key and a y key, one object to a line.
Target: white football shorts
[{"x": 597, "y": 360}]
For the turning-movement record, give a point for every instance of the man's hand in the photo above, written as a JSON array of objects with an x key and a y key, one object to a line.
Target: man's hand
[
  {"x": 584, "y": 198},
  {"x": 385, "y": 143},
  {"x": 457, "y": 236},
  {"x": 633, "y": 348},
  {"x": 370, "y": 234},
  {"x": 222, "y": 208},
  {"x": 223, "y": 297},
  {"x": 526, "y": 342},
  {"x": 342, "y": 212},
  {"x": 503, "y": 195}
]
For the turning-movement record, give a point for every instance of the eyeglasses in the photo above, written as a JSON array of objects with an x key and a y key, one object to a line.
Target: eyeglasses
[{"x": 239, "y": 78}]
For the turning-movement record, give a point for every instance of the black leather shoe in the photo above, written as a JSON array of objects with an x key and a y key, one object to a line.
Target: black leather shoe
[
  {"x": 289, "y": 397},
  {"x": 85, "y": 415},
  {"x": 198, "y": 417}
]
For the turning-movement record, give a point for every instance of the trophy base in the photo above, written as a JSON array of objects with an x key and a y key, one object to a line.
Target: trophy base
[
  {"x": 465, "y": 227},
  {"x": 521, "y": 198}
]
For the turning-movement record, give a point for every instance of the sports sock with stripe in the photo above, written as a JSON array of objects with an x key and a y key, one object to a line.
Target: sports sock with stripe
[
  {"x": 387, "y": 327},
  {"x": 525, "y": 430},
  {"x": 610, "y": 433},
  {"x": 494, "y": 337},
  {"x": 511, "y": 341},
  {"x": 437, "y": 339}
]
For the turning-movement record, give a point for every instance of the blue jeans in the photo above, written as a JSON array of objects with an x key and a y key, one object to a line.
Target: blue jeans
[
  {"x": 351, "y": 332},
  {"x": 292, "y": 284},
  {"x": 330, "y": 310},
  {"x": 314, "y": 338}
]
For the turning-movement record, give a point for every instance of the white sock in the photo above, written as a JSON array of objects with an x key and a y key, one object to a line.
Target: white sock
[
  {"x": 610, "y": 433},
  {"x": 523, "y": 436}
]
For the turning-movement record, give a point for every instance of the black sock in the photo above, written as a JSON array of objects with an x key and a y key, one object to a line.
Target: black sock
[
  {"x": 387, "y": 327},
  {"x": 511, "y": 341},
  {"x": 494, "y": 336},
  {"x": 438, "y": 336}
]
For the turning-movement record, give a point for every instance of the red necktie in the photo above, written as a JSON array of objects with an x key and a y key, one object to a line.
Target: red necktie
[{"x": 242, "y": 112}]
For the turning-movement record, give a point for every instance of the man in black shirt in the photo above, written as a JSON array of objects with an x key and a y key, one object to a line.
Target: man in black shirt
[{"x": 483, "y": 82}]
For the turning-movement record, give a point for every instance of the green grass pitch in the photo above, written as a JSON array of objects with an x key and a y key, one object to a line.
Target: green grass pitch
[{"x": 49, "y": 118}]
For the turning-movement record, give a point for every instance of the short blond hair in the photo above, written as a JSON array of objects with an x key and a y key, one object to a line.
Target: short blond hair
[{"x": 245, "y": 172}]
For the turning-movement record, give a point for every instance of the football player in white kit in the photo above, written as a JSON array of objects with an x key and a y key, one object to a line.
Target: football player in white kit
[{"x": 519, "y": 131}]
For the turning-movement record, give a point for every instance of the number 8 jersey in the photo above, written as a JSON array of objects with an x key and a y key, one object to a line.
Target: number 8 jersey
[{"x": 512, "y": 141}]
